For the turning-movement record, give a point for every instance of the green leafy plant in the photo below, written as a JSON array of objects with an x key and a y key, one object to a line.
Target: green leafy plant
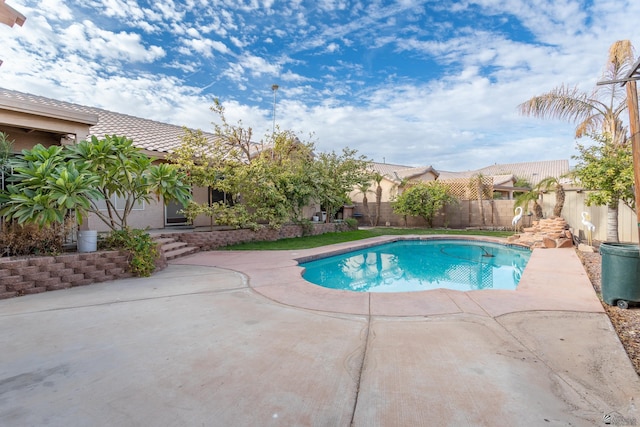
[
  {"x": 352, "y": 223},
  {"x": 46, "y": 189},
  {"x": 141, "y": 247},
  {"x": 306, "y": 225},
  {"x": 607, "y": 170},
  {"x": 124, "y": 172},
  {"x": 51, "y": 184},
  {"x": 424, "y": 199}
]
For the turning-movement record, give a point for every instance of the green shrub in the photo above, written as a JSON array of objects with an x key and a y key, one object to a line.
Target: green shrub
[
  {"x": 143, "y": 250},
  {"x": 352, "y": 223},
  {"x": 306, "y": 225}
]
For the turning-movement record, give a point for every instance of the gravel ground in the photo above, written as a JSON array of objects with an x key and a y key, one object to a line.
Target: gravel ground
[{"x": 626, "y": 322}]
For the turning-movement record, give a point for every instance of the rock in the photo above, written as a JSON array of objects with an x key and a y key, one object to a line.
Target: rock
[
  {"x": 548, "y": 242},
  {"x": 585, "y": 248},
  {"x": 564, "y": 243}
]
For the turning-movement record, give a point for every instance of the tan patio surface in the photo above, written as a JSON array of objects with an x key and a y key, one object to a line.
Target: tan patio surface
[{"x": 231, "y": 338}]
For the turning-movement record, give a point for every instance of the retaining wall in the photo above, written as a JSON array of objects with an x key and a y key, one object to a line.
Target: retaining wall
[
  {"x": 48, "y": 273},
  {"x": 208, "y": 240},
  {"x": 33, "y": 275}
]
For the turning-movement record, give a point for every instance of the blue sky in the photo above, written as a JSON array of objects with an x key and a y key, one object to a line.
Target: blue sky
[{"x": 406, "y": 81}]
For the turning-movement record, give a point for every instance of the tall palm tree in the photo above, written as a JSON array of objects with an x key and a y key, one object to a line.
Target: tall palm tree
[
  {"x": 595, "y": 113},
  {"x": 377, "y": 177},
  {"x": 478, "y": 188},
  {"x": 363, "y": 189}
]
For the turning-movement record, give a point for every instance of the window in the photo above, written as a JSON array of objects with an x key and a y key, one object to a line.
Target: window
[{"x": 119, "y": 203}]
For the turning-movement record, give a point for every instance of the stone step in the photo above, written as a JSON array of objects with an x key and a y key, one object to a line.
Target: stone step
[
  {"x": 173, "y": 249},
  {"x": 167, "y": 247},
  {"x": 183, "y": 251},
  {"x": 162, "y": 240}
]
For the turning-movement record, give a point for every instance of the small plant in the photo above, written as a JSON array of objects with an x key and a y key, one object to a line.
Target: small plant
[
  {"x": 306, "y": 225},
  {"x": 31, "y": 239},
  {"x": 143, "y": 250},
  {"x": 352, "y": 223}
]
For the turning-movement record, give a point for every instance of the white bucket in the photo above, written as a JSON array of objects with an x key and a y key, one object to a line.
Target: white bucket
[{"x": 87, "y": 240}]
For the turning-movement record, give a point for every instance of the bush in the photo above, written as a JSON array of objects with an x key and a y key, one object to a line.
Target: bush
[
  {"x": 143, "y": 250},
  {"x": 31, "y": 239},
  {"x": 352, "y": 223}
]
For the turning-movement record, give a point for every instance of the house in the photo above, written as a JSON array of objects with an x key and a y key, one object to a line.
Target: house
[
  {"x": 499, "y": 181},
  {"x": 393, "y": 178},
  {"x": 30, "y": 120}
]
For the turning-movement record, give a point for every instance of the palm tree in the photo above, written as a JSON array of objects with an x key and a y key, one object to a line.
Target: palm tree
[
  {"x": 477, "y": 187},
  {"x": 523, "y": 200},
  {"x": 597, "y": 113},
  {"x": 377, "y": 177},
  {"x": 549, "y": 183},
  {"x": 363, "y": 189}
]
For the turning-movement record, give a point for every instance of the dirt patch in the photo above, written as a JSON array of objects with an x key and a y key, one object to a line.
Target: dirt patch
[{"x": 626, "y": 322}]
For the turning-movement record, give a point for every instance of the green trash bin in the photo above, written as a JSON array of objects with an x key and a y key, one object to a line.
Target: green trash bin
[{"x": 620, "y": 273}]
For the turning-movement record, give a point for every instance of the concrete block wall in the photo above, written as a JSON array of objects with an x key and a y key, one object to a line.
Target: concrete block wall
[
  {"x": 467, "y": 213},
  {"x": 208, "y": 240},
  {"x": 48, "y": 273}
]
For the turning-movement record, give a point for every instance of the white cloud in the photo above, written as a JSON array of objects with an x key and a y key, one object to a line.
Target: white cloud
[
  {"x": 205, "y": 47},
  {"x": 56, "y": 10},
  {"x": 88, "y": 39},
  {"x": 258, "y": 66}
]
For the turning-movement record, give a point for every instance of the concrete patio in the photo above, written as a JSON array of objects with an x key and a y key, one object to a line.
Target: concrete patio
[{"x": 240, "y": 339}]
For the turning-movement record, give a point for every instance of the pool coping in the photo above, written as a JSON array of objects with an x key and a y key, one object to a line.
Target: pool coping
[{"x": 553, "y": 280}]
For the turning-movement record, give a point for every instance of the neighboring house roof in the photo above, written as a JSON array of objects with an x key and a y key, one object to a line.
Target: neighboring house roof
[
  {"x": 534, "y": 172},
  {"x": 504, "y": 180},
  {"x": 397, "y": 173},
  {"x": 146, "y": 134}
]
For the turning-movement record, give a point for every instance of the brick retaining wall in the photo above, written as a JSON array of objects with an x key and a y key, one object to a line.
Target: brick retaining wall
[
  {"x": 40, "y": 274},
  {"x": 208, "y": 240}
]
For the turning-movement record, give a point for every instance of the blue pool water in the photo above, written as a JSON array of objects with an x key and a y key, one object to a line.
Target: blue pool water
[{"x": 418, "y": 265}]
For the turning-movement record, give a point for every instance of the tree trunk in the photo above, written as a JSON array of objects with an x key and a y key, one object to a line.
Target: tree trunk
[
  {"x": 378, "y": 203},
  {"x": 612, "y": 223},
  {"x": 537, "y": 210},
  {"x": 365, "y": 207},
  {"x": 480, "y": 201},
  {"x": 560, "y": 196}
]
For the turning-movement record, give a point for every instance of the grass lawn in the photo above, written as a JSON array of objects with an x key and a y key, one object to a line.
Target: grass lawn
[{"x": 348, "y": 236}]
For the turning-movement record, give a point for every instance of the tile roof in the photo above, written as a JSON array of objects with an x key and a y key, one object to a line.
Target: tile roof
[
  {"x": 146, "y": 134},
  {"x": 398, "y": 172},
  {"x": 534, "y": 172}
]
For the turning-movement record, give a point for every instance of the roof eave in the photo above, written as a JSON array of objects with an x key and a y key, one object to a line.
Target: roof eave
[
  {"x": 10, "y": 16},
  {"x": 48, "y": 111}
]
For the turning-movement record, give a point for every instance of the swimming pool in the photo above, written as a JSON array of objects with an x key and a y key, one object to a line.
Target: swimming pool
[{"x": 418, "y": 265}]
